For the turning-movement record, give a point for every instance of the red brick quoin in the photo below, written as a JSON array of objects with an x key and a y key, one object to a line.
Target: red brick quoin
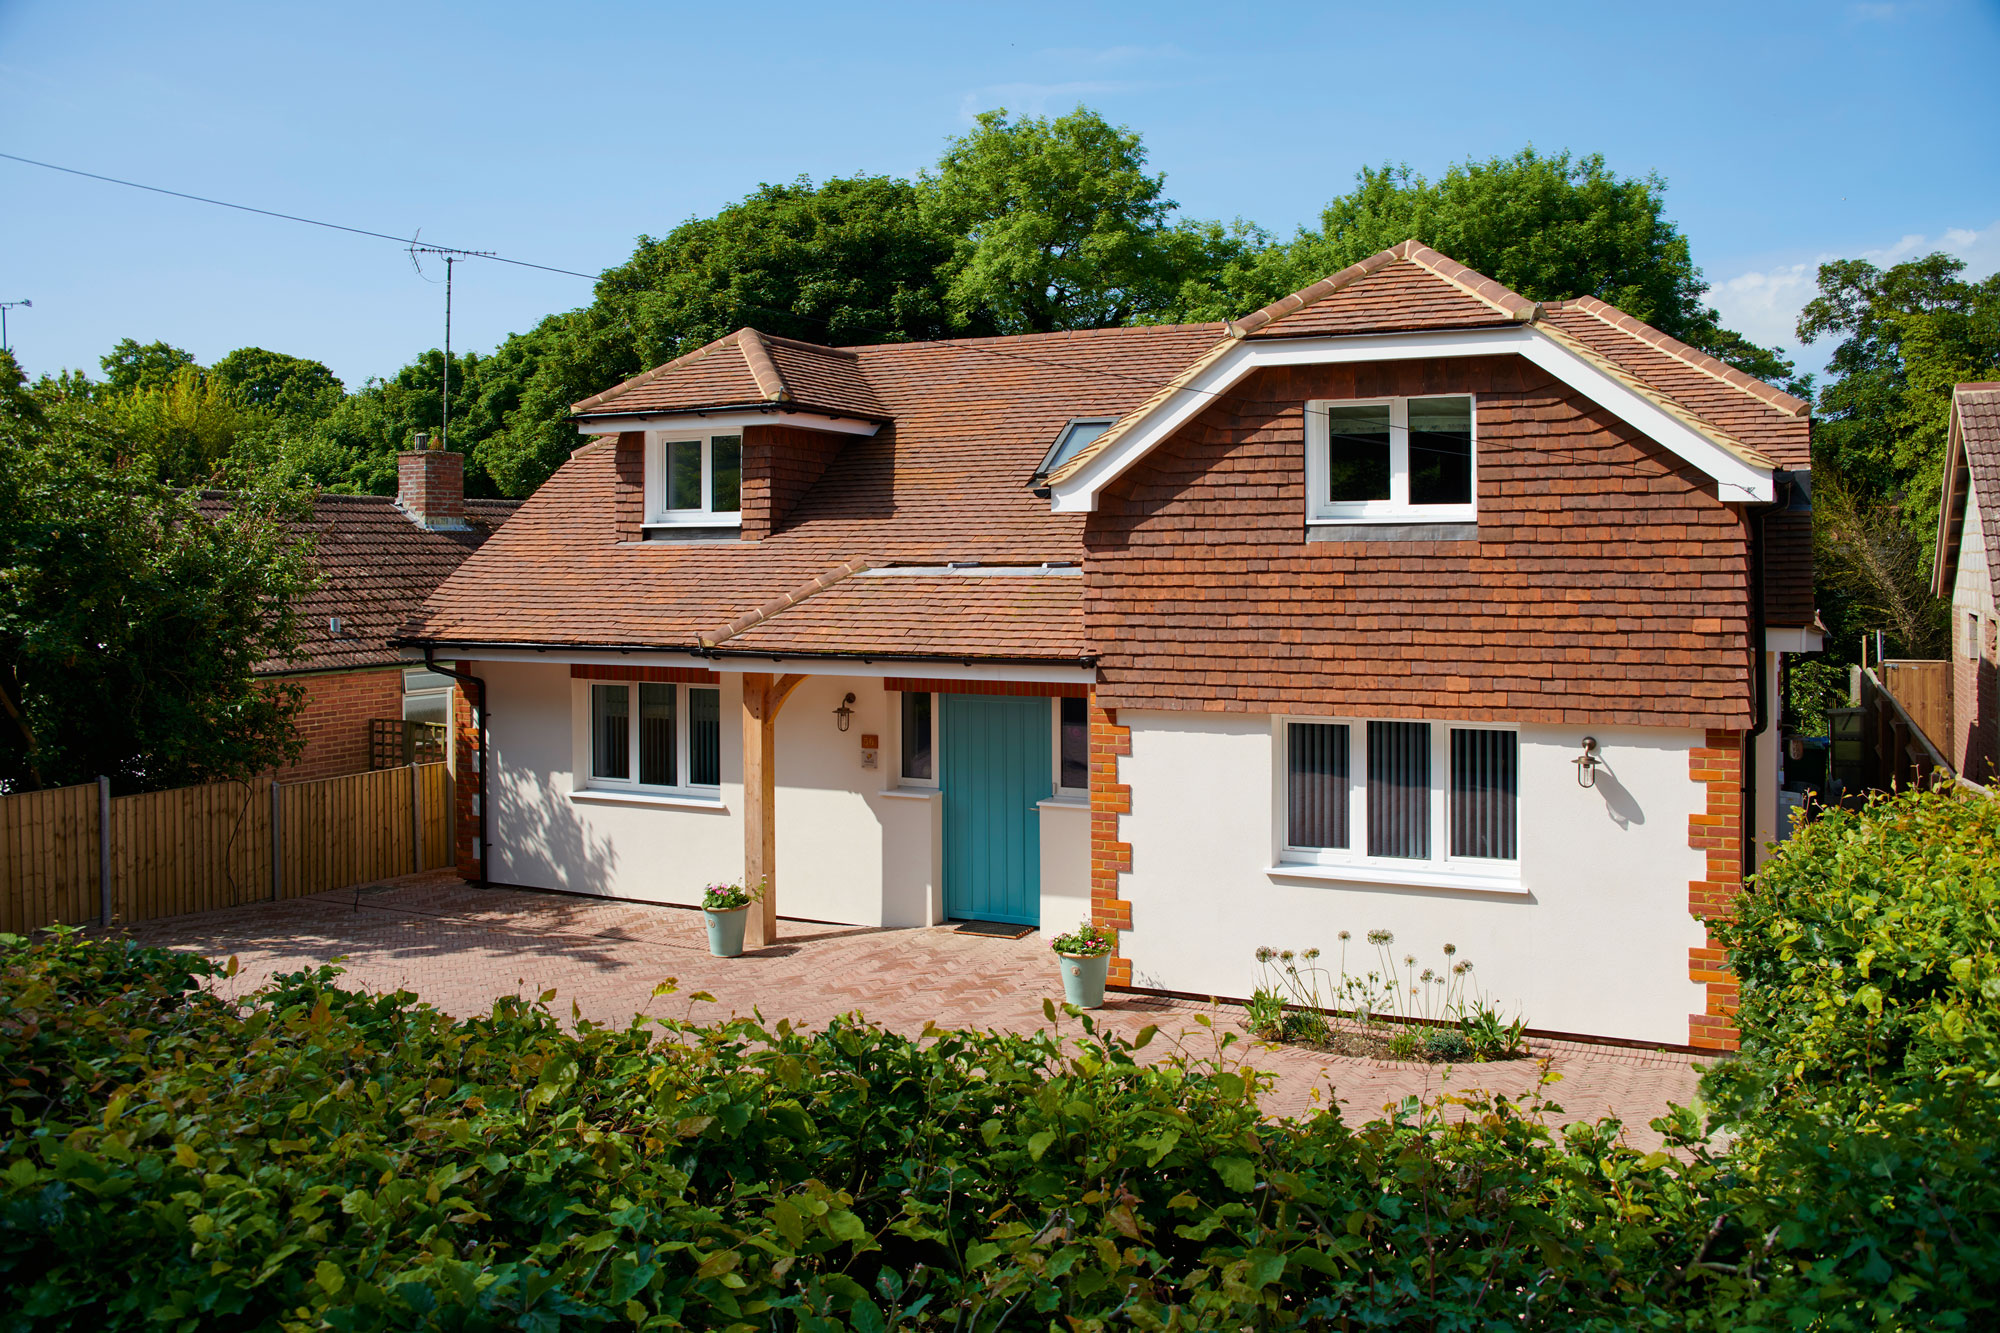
[
  {"x": 1109, "y": 858},
  {"x": 1718, "y": 831}
]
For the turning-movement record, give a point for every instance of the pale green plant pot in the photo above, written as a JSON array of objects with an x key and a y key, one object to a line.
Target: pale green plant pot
[
  {"x": 1083, "y": 979},
  {"x": 725, "y": 931}
]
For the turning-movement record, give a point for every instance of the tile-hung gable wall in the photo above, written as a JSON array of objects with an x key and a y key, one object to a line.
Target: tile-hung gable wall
[{"x": 1607, "y": 583}]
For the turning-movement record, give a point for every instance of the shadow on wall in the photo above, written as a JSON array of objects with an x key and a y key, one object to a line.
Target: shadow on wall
[
  {"x": 535, "y": 831},
  {"x": 1619, "y": 802}
]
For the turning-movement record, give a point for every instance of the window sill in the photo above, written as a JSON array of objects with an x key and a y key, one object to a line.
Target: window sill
[
  {"x": 1063, "y": 803},
  {"x": 1430, "y": 877},
  {"x": 668, "y": 800},
  {"x": 1391, "y": 530},
  {"x": 697, "y": 520},
  {"x": 909, "y": 793}
]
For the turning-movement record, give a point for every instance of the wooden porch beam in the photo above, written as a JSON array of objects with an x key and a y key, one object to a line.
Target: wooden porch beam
[{"x": 763, "y": 696}]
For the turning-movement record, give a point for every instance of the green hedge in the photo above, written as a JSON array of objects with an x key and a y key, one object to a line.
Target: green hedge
[{"x": 317, "y": 1158}]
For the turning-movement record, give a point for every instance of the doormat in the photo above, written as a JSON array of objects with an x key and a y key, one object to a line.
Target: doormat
[{"x": 1000, "y": 930}]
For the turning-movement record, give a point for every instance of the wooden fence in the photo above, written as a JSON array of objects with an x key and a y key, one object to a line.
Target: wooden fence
[
  {"x": 195, "y": 849},
  {"x": 1923, "y": 688}
]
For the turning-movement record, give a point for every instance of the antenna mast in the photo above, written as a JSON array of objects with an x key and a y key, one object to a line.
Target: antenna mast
[{"x": 450, "y": 256}]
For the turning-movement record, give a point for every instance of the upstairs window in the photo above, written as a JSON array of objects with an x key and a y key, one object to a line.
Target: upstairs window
[
  {"x": 1391, "y": 459},
  {"x": 696, "y": 480},
  {"x": 1077, "y": 435}
]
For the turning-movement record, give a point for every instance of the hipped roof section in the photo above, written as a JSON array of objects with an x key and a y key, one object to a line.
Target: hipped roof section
[{"x": 743, "y": 369}]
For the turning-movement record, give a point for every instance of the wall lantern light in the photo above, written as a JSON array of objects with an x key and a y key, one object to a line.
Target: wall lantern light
[
  {"x": 1587, "y": 763},
  {"x": 845, "y": 712}
]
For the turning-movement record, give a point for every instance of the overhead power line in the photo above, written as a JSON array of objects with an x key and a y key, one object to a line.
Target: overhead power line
[{"x": 288, "y": 217}]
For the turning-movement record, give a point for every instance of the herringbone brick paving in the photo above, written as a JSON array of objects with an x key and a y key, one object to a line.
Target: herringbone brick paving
[{"x": 460, "y": 947}]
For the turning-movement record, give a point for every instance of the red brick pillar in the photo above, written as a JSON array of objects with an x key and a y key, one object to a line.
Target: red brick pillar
[
  {"x": 1109, "y": 858},
  {"x": 1718, "y": 831},
  {"x": 467, "y": 782}
]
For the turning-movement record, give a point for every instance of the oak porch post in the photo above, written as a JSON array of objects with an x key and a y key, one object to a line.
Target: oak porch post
[{"x": 763, "y": 696}]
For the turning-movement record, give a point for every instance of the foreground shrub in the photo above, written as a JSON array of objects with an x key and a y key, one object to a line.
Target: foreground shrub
[
  {"x": 319, "y": 1158},
  {"x": 1866, "y": 1176}
]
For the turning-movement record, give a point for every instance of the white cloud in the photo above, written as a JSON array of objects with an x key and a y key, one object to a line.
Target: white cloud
[
  {"x": 1763, "y": 304},
  {"x": 1035, "y": 99}
]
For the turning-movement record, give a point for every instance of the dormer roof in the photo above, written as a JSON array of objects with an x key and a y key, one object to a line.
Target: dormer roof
[{"x": 745, "y": 369}]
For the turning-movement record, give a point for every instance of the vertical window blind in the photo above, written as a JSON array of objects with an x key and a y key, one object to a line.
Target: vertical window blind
[
  {"x": 1485, "y": 794},
  {"x": 656, "y": 735},
  {"x": 1399, "y": 789},
  {"x": 1316, "y": 785},
  {"x": 610, "y": 731},
  {"x": 705, "y": 737}
]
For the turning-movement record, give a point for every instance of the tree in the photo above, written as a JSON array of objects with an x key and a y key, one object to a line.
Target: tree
[
  {"x": 1057, "y": 224},
  {"x": 1870, "y": 571},
  {"x": 184, "y": 428},
  {"x": 1549, "y": 227},
  {"x": 130, "y": 623},
  {"x": 131, "y": 366},
  {"x": 287, "y": 384},
  {"x": 1908, "y": 333}
]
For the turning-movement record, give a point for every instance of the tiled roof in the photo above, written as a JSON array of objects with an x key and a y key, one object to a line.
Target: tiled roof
[
  {"x": 1407, "y": 286},
  {"x": 948, "y": 476},
  {"x": 962, "y": 614},
  {"x": 376, "y": 568},
  {"x": 1976, "y": 427},
  {"x": 744, "y": 368},
  {"x": 946, "y": 479},
  {"x": 1788, "y": 569}
]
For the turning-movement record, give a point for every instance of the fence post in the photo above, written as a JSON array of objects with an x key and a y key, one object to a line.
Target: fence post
[
  {"x": 416, "y": 822},
  {"x": 104, "y": 851},
  {"x": 277, "y": 844}
]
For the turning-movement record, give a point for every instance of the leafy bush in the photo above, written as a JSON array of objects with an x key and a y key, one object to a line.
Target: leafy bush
[
  {"x": 315, "y": 1158},
  {"x": 1867, "y": 1100}
]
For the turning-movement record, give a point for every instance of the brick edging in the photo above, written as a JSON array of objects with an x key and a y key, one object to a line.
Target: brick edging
[
  {"x": 1109, "y": 858},
  {"x": 1718, "y": 831}
]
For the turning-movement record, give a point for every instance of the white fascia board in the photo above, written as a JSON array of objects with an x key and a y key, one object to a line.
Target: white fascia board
[
  {"x": 1052, "y": 674},
  {"x": 1794, "y": 640},
  {"x": 708, "y": 423},
  {"x": 1736, "y": 480}
]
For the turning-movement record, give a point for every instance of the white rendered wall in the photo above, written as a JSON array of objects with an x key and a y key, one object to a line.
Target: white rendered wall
[
  {"x": 1598, "y": 944},
  {"x": 1065, "y": 866},
  {"x": 852, "y": 847}
]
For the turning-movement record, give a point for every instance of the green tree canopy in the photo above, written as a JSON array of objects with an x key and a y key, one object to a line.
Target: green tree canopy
[
  {"x": 271, "y": 379},
  {"x": 1551, "y": 227},
  {"x": 1057, "y": 224},
  {"x": 130, "y": 622},
  {"x": 130, "y": 366}
]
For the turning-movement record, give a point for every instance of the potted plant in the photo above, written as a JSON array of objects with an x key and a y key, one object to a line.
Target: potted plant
[
  {"x": 1085, "y": 955},
  {"x": 727, "y": 907}
]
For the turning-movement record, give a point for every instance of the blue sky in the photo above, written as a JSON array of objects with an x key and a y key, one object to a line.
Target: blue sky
[{"x": 1788, "y": 133}]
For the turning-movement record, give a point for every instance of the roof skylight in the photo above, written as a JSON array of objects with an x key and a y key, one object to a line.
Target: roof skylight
[{"x": 1075, "y": 436}]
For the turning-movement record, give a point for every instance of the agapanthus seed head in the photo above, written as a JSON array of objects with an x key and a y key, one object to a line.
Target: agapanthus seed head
[
  {"x": 1346, "y": 935},
  {"x": 1450, "y": 949},
  {"x": 1381, "y": 937}
]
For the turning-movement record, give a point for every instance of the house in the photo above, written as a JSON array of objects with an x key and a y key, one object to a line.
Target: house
[
  {"x": 1966, "y": 571},
  {"x": 378, "y": 556},
  {"x": 1405, "y": 603}
]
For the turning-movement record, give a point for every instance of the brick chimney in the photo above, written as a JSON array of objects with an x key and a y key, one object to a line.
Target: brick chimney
[{"x": 430, "y": 487}]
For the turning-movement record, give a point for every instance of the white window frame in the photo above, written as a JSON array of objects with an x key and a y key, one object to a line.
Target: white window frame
[
  {"x": 1355, "y": 854},
  {"x": 683, "y": 732},
  {"x": 657, "y": 513},
  {"x": 1055, "y": 752},
  {"x": 1397, "y": 508},
  {"x": 896, "y": 742}
]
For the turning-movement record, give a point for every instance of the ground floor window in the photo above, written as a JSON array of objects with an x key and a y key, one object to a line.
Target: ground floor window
[
  {"x": 655, "y": 736},
  {"x": 1411, "y": 780}
]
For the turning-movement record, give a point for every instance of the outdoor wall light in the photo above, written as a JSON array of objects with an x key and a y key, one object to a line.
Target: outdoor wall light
[
  {"x": 845, "y": 712},
  {"x": 1587, "y": 763}
]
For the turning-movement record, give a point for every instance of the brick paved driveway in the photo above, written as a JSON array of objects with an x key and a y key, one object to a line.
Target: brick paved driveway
[{"x": 459, "y": 947}]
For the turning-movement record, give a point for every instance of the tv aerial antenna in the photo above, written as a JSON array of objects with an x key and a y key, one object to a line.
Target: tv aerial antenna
[{"x": 451, "y": 256}]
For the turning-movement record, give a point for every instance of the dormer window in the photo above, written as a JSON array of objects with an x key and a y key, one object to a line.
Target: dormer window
[
  {"x": 1076, "y": 435},
  {"x": 1394, "y": 459},
  {"x": 694, "y": 480}
]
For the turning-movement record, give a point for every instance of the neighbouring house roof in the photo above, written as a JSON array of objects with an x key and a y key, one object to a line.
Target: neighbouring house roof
[
  {"x": 377, "y": 566},
  {"x": 949, "y": 476},
  {"x": 1971, "y": 483}
]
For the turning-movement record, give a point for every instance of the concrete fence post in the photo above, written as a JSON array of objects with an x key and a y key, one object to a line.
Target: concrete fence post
[
  {"x": 104, "y": 851},
  {"x": 277, "y": 844},
  {"x": 416, "y": 821}
]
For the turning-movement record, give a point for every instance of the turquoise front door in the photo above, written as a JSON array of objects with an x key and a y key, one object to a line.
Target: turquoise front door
[{"x": 995, "y": 768}]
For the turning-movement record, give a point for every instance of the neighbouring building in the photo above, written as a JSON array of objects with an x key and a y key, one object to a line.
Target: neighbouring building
[
  {"x": 1405, "y": 603},
  {"x": 378, "y": 556},
  {"x": 1967, "y": 571}
]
